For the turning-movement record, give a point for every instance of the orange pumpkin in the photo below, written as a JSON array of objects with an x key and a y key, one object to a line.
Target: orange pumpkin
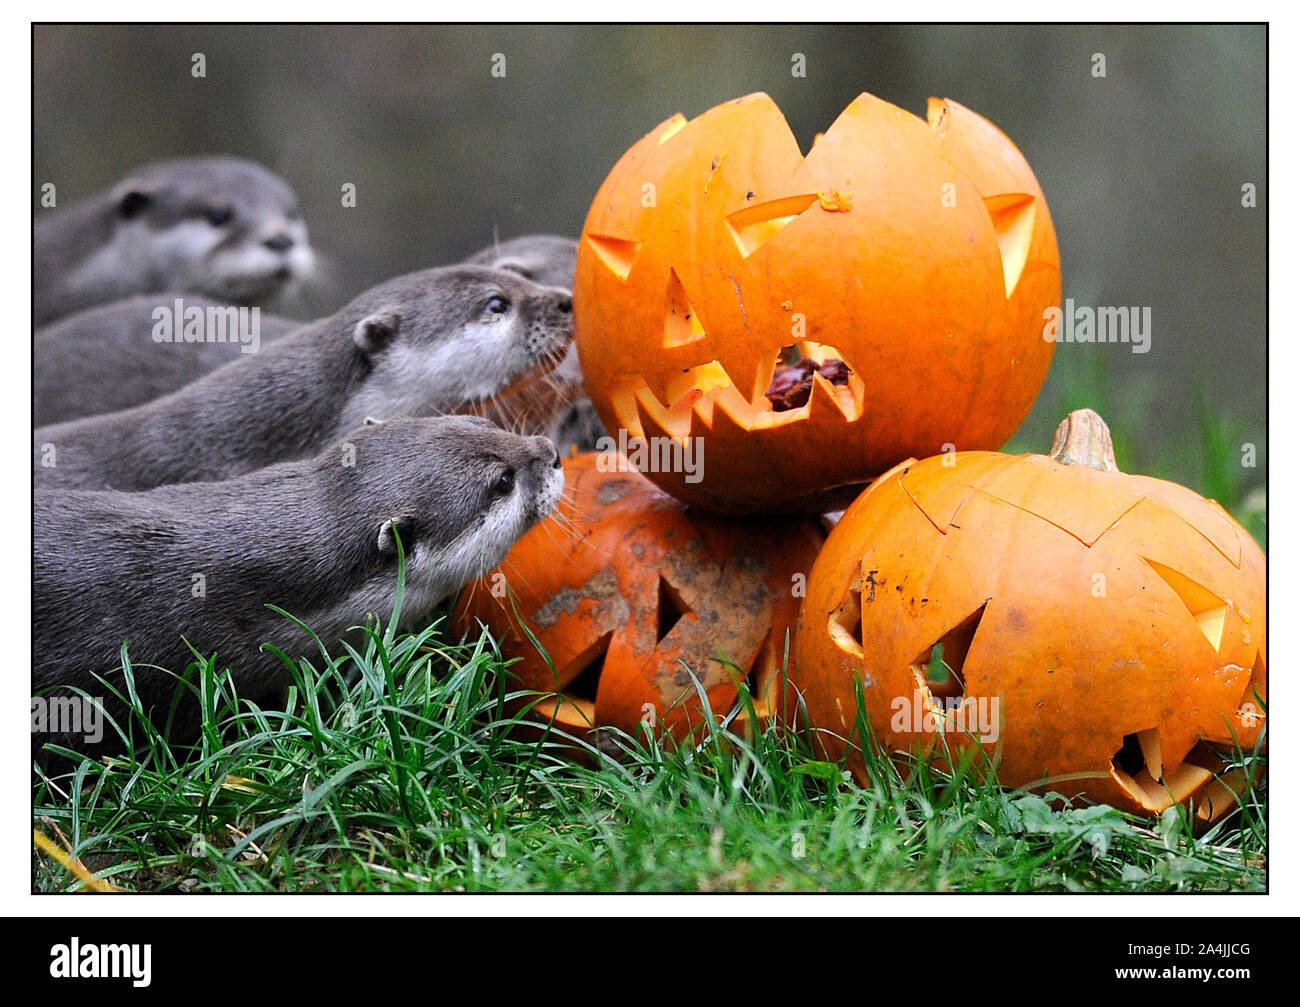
[
  {"x": 630, "y": 594},
  {"x": 1100, "y": 633},
  {"x": 716, "y": 255}
]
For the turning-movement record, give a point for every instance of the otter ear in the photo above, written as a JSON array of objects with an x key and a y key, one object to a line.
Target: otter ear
[
  {"x": 132, "y": 203},
  {"x": 393, "y": 529},
  {"x": 376, "y": 331},
  {"x": 516, "y": 267}
]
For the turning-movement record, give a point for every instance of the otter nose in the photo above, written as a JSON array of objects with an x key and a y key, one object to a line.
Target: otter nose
[
  {"x": 565, "y": 304},
  {"x": 279, "y": 243},
  {"x": 547, "y": 452}
]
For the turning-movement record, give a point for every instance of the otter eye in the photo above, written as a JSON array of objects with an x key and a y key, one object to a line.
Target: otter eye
[
  {"x": 217, "y": 215},
  {"x": 498, "y": 305},
  {"x": 293, "y": 214},
  {"x": 504, "y": 483}
]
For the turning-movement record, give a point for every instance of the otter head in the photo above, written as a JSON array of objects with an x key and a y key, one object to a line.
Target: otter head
[
  {"x": 219, "y": 226},
  {"x": 455, "y": 491},
  {"x": 435, "y": 341},
  {"x": 547, "y": 259}
]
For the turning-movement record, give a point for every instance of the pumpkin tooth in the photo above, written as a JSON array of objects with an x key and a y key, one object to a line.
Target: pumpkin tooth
[
  {"x": 725, "y": 421},
  {"x": 1221, "y": 794},
  {"x": 580, "y": 678},
  {"x": 825, "y": 404},
  {"x": 1149, "y": 742},
  {"x": 701, "y": 422},
  {"x": 655, "y": 420},
  {"x": 657, "y": 382},
  {"x": 729, "y": 363}
]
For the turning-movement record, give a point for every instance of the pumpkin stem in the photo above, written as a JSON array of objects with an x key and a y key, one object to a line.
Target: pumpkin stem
[{"x": 1084, "y": 439}]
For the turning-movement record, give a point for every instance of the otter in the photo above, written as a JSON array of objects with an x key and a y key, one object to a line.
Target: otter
[
  {"x": 197, "y": 564},
  {"x": 218, "y": 226},
  {"x": 548, "y": 259},
  {"x": 554, "y": 403},
  {"x": 107, "y": 358},
  {"x": 419, "y": 344}
]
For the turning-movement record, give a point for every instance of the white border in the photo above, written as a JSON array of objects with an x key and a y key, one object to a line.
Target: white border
[{"x": 15, "y": 851}]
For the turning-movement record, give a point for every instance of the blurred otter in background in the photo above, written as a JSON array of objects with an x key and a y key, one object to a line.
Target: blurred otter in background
[{"x": 218, "y": 226}]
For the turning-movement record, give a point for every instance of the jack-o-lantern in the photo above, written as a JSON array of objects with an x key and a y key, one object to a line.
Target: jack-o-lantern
[
  {"x": 1098, "y": 633},
  {"x": 635, "y": 599},
  {"x": 815, "y": 319}
]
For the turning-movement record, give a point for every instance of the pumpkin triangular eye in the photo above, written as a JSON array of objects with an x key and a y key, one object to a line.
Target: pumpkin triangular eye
[
  {"x": 754, "y": 226},
  {"x": 672, "y": 608},
  {"x": 1206, "y": 607},
  {"x": 1013, "y": 222},
  {"x": 616, "y": 253},
  {"x": 591, "y": 662}
]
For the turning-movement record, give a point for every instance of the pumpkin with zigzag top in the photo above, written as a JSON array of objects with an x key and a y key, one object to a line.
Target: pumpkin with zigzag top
[
  {"x": 1093, "y": 632},
  {"x": 814, "y": 320}
]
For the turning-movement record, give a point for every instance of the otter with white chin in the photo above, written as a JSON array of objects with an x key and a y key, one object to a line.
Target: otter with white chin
[
  {"x": 554, "y": 403},
  {"x": 420, "y": 344},
  {"x": 219, "y": 226},
  {"x": 318, "y": 538}
]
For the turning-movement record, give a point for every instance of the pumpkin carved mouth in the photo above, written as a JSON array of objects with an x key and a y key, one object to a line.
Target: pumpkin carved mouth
[
  {"x": 1139, "y": 769},
  {"x": 804, "y": 381}
]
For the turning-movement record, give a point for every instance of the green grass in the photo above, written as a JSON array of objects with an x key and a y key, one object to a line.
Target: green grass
[{"x": 390, "y": 771}]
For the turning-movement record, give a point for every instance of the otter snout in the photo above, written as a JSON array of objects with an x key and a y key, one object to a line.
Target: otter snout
[
  {"x": 549, "y": 323},
  {"x": 544, "y": 478}
]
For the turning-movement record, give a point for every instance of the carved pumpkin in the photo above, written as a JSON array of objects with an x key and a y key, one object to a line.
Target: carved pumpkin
[
  {"x": 716, "y": 255},
  {"x": 1100, "y": 633},
  {"x": 629, "y": 593}
]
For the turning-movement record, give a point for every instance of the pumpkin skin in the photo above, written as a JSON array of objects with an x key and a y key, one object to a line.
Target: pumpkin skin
[
  {"x": 921, "y": 254},
  {"x": 998, "y": 557},
  {"x": 632, "y": 583}
]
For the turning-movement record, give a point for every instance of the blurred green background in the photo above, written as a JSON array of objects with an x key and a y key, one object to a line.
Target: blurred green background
[{"x": 1143, "y": 170}]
